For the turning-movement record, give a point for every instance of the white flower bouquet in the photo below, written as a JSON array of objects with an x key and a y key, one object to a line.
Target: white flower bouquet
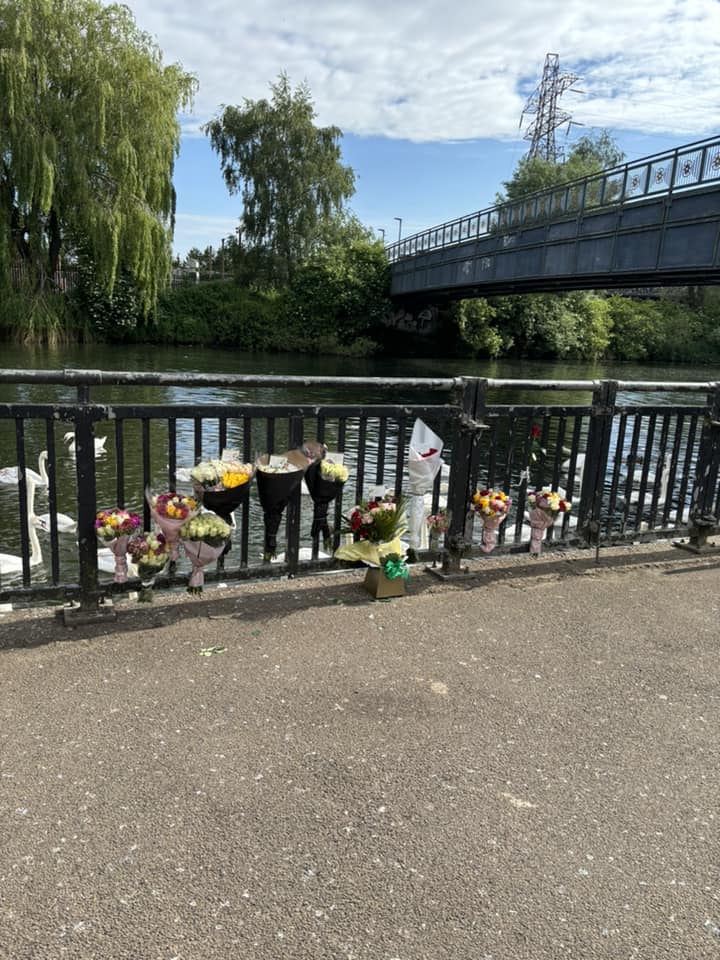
[{"x": 204, "y": 538}]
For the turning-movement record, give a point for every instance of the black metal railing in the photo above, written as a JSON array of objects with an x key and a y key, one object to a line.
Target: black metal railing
[
  {"x": 687, "y": 167},
  {"x": 638, "y": 460}
]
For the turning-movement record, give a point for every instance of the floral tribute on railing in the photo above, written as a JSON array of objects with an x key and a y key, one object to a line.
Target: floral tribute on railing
[
  {"x": 377, "y": 526},
  {"x": 278, "y": 478},
  {"x": 545, "y": 506},
  {"x": 437, "y": 524},
  {"x": 493, "y": 507},
  {"x": 424, "y": 463},
  {"x": 114, "y": 529},
  {"x": 150, "y": 551},
  {"x": 204, "y": 538},
  {"x": 324, "y": 479},
  {"x": 170, "y": 511},
  {"x": 222, "y": 485}
]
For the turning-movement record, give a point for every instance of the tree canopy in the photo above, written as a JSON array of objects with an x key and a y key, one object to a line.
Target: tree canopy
[
  {"x": 590, "y": 154},
  {"x": 287, "y": 171},
  {"x": 88, "y": 139}
]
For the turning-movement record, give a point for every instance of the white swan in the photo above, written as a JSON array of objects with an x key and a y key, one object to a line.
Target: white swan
[
  {"x": 65, "y": 524},
  {"x": 106, "y": 562},
  {"x": 10, "y": 565},
  {"x": 69, "y": 439},
  {"x": 10, "y": 475}
]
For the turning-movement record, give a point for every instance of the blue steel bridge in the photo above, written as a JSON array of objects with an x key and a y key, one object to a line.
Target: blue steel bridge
[{"x": 651, "y": 222}]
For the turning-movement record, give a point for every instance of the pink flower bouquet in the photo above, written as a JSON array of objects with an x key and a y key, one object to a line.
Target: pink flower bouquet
[
  {"x": 493, "y": 507},
  {"x": 544, "y": 508},
  {"x": 114, "y": 529},
  {"x": 170, "y": 511}
]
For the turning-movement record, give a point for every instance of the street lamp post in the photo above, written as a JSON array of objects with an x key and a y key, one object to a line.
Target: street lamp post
[
  {"x": 382, "y": 231},
  {"x": 399, "y": 220}
]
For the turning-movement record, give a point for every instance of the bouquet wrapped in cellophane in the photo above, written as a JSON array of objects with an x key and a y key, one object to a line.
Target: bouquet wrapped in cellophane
[
  {"x": 222, "y": 485},
  {"x": 150, "y": 551},
  {"x": 324, "y": 480},
  {"x": 170, "y": 511},
  {"x": 544, "y": 507},
  {"x": 493, "y": 507},
  {"x": 424, "y": 462},
  {"x": 114, "y": 529},
  {"x": 278, "y": 479},
  {"x": 204, "y": 538},
  {"x": 377, "y": 526}
]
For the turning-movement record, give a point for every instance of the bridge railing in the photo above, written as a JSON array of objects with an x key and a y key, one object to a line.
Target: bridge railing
[
  {"x": 687, "y": 167},
  {"x": 637, "y": 460}
]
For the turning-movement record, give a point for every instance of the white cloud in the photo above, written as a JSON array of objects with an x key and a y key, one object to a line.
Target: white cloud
[{"x": 446, "y": 71}]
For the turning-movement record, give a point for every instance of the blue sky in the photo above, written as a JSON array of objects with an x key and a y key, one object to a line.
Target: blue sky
[{"x": 429, "y": 95}]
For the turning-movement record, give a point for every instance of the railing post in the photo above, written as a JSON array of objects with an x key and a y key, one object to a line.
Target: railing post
[
  {"x": 90, "y": 608},
  {"x": 466, "y": 438},
  {"x": 596, "y": 458},
  {"x": 703, "y": 521}
]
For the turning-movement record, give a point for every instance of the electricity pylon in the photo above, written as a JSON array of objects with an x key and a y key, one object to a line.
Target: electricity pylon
[{"x": 548, "y": 117}]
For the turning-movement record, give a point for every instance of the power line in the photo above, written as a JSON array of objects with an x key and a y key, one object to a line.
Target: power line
[{"x": 543, "y": 103}]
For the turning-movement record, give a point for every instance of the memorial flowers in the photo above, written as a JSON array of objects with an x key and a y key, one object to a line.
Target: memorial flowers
[
  {"x": 377, "y": 526},
  {"x": 545, "y": 506},
  {"x": 278, "y": 479},
  {"x": 150, "y": 551},
  {"x": 204, "y": 538},
  {"x": 170, "y": 511},
  {"x": 222, "y": 485},
  {"x": 437, "y": 524},
  {"x": 324, "y": 480},
  {"x": 493, "y": 507},
  {"x": 114, "y": 528},
  {"x": 423, "y": 465}
]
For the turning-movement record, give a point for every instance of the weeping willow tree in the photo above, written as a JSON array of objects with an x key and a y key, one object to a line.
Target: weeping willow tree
[{"x": 88, "y": 139}]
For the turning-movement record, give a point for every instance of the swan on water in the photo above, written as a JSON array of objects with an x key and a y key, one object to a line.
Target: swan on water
[
  {"x": 10, "y": 565},
  {"x": 10, "y": 475},
  {"x": 65, "y": 524},
  {"x": 69, "y": 439}
]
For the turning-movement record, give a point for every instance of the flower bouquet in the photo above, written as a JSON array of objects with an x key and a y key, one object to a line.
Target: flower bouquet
[
  {"x": 114, "y": 529},
  {"x": 150, "y": 551},
  {"x": 424, "y": 462},
  {"x": 376, "y": 526},
  {"x": 170, "y": 511},
  {"x": 545, "y": 507},
  {"x": 324, "y": 480},
  {"x": 278, "y": 478},
  {"x": 222, "y": 485},
  {"x": 493, "y": 507},
  {"x": 204, "y": 538},
  {"x": 437, "y": 523}
]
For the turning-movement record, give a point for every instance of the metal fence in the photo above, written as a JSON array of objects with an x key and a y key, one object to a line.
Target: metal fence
[
  {"x": 687, "y": 167},
  {"x": 638, "y": 460}
]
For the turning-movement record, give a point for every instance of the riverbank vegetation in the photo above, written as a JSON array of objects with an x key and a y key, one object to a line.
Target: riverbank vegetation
[{"x": 86, "y": 183}]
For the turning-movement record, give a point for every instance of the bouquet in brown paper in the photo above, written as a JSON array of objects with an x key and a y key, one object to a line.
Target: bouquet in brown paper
[
  {"x": 278, "y": 478},
  {"x": 204, "y": 538}
]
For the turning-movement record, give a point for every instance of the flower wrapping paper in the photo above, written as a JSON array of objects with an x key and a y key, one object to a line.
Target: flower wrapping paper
[
  {"x": 540, "y": 520},
  {"x": 118, "y": 546},
  {"x": 323, "y": 492},
  {"x": 424, "y": 462},
  {"x": 490, "y": 532},
  {"x": 200, "y": 554},
  {"x": 275, "y": 491}
]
